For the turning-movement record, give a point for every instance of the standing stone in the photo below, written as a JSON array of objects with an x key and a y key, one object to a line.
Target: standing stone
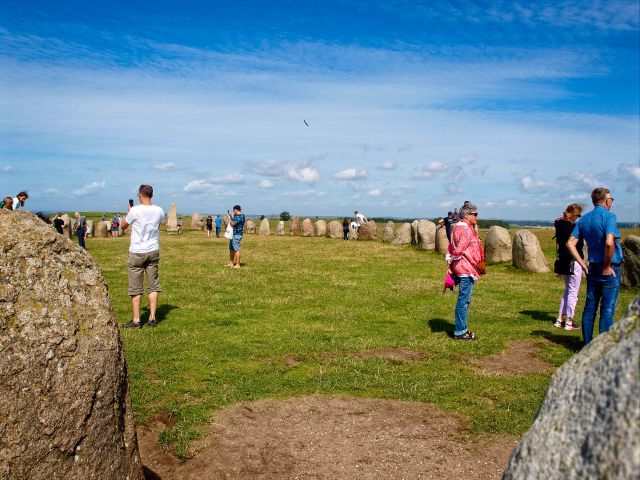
[
  {"x": 334, "y": 229},
  {"x": 442, "y": 242},
  {"x": 68, "y": 226},
  {"x": 321, "y": 228},
  {"x": 403, "y": 235},
  {"x": 368, "y": 231},
  {"x": 426, "y": 235},
  {"x": 295, "y": 226},
  {"x": 90, "y": 227},
  {"x": 589, "y": 423},
  {"x": 527, "y": 254},
  {"x": 414, "y": 232},
  {"x": 172, "y": 219},
  {"x": 197, "y": 221},
  {"x": 280, "y": 228},
  {"x": 389, "y": 232},
  {"x": 631, "y": 266},
  {"x": 265, "y": 229},
  {"x": 497, "y": 245},
  {"x": 103, "y": 229},
  {"x": 307, "y": 228},
  {"x": 250, "y": 226},
  {"x": 66, "y": 411},
  {"x": 353, "y": 234}
]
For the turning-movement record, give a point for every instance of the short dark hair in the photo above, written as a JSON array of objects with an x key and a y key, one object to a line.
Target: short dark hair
[
  {"x": 23, "y": 194},
  {"x": 237, "y": 207},
  {"x": 599, "y": 195},
  {"x": 146, "y": 191}
]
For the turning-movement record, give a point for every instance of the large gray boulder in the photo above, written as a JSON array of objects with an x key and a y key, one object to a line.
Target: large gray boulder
[
  {"x": 280, "y": 228},
  {"x": 414, "y": 232},
  {"x": 334, "y": 229},
  {"x": 442, "y": 242},
  {"x": 589, "y": 423},
  {"x": 172, "y": 219},
  {"x": 68, "y": 225},
  {"x": 368, "y": 231},
  {"x": 497, "y": 245},
  {"x": 64, "y": 396},
  {"x": 389, "y": 232},
  {"x": 403, "y": 234},
  {"x": 295, "y": 226},
  {"x": 527, "y": 254},
  {"x": 631, "y": 266},
  {"x": 197, "y": 221},
  {"x": 307, "y": 228},
  {"x": 103, "y": 229},
  {"x": 250, "y": 227},
  {"x": 321, "y": 228},
  {"x": 265, "y": 229},
  {"x": 426, "y": 235}
]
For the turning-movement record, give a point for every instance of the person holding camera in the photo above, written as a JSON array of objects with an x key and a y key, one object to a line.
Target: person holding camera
[
  {"x": 144, "y": 254},
  {"x": 237, "y": 222}
]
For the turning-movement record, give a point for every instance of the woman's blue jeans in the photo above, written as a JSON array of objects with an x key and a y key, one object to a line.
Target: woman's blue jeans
[
  {"x": 465, "y": 289},
  {"x": 602, "y": 291}
]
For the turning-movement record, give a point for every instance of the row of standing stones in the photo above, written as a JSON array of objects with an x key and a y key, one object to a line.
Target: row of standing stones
[
  {"x": 523, "y": 250},
  {"x": 66, "y": 410}
]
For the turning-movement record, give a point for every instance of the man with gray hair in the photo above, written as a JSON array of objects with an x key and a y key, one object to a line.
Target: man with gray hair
[
  {"x": 599, "y": 229},
  {"x": 79, "y": 226}
]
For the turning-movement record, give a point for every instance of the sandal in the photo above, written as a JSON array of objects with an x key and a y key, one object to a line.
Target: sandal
[{"x": 465, "y": 336}]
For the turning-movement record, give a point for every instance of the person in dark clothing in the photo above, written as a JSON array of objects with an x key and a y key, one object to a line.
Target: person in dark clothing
[
  {"x": 80, "y": 225},
  {"x": 58, "y": 223},
  {"x": 448, "y": 221},
  {"x": 345, "y": 228},
  {"x": 567, "y": 267},
  {"x": 209, "y": 223}
]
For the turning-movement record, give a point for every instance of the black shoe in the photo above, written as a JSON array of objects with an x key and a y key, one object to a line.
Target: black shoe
[
  {"x": 152, "y": 323},
  {"x": 132, "y": 324},
  {"x": 465, "y": 336}
]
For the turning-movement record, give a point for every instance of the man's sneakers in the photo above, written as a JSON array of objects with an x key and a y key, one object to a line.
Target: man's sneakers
[{"x": 132, "y": 324}]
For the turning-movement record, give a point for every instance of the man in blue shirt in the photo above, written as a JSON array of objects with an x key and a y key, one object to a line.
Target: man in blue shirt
[
  {"x": 600, "y": 230},
  {"x": 237, "y": 222},
  {"x": 218, "y": 225}
]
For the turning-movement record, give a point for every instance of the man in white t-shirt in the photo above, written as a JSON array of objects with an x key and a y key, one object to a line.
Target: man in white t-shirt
[
  {"x": 360, "y": 218},
  {"x": 144, "y": 254}
]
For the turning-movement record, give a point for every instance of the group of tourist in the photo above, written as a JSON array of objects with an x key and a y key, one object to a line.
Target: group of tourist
[
  {"x": 15, "y": 203},
  {"x": 353, "y": 225}
]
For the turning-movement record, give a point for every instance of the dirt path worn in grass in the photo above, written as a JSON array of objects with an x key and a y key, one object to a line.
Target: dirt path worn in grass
[
  {"x": 519, "y": 358},
  {"x": 329, "y": 437}
]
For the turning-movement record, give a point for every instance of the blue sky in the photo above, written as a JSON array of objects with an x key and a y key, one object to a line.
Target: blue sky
[{"x": 413, "y": 107}]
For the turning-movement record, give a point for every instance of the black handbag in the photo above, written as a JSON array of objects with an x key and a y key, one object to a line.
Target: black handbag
[{"x": 562, "y": 267}]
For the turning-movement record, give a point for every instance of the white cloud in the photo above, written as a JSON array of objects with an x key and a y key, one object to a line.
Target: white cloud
[
  {"x": 376, "y": 192},
  {"x": 406, "y": 186},
  {"x": 6, "y": 169},
  {"x": 529, "y": 184},
  {"x": 511, "y": 203},
  {"x": 164, "y": 166},
  {"x": 421, "y": 174},
  {"x": 448, "y": 204},
  {"x": 578, "y": 197},
  {"x": 454, "y": 189},
  {"x": 268, "y": 168},
  {"x": 390, "y": 165},
  {"x": 307, "y": 175},
  {"x": 89, "y": 188},
  {"x": 582, "y": 181},
  {"x": 232, "y": 178},
  {"x": 468, "y": 160},
  {"x": 265, "y": 183},
  {"x": 437, "y": 167},
  {"x": 545, "y": 204},
  {"x": 630, "y": 176},
  {"x": 352, "y": 174},
  {"x": 490, "y": 204},
  {"x": 304, "y": 193},
  {"x": 200, "y": 187},
  {"x": 50, "y": 191}
]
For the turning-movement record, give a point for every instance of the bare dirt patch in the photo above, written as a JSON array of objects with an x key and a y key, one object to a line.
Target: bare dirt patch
[
  {"x": 396, "y": 354},
  {"x": 328, "y": 437},
  {"x": 519, "y": 358}
]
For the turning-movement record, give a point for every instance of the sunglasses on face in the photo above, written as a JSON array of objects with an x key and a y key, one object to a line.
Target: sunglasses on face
[{"x": 475, "y": 214}]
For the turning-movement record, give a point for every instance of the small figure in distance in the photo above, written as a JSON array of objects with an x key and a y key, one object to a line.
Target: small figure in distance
[
  {"x": 567, "y": 267},
  {"x": 103, "y": 218},
  {"x": 447, "y": 222},
  {"x": 237, "y": 222},
  {"x": 19, "y": 199},
  {"x": 599, "y": 229},
  {"x": 144, "y": 254},
  {"x": 218, "y": 225},
  {"x": 360, "y": 219},
  {"x": 7, "y": 203},
  {"x": 115, "y": 225},
  {"x": 58, "y": 224},
  {"x": 179, "y": 225},
  {"x": 209, "y": 225},
  {"x": 466, "y": 262},
  {"x": 345, "y": 228},
  {"x": 79, "y": 226}
]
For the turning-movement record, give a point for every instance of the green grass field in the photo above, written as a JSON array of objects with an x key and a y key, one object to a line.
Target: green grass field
[{"x": 224, "y": 334}]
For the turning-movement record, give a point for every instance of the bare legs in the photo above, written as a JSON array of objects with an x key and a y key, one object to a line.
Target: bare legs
[
  {"x": 234, "y": 258},
  {"x": 153, "y": 305}
]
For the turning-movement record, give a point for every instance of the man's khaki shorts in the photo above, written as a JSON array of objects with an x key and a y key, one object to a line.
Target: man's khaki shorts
[{"x": 141, "y": 265}]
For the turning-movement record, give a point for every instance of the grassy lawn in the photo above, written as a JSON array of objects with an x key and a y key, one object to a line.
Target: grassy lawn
[{"x": 224, "y": 334}]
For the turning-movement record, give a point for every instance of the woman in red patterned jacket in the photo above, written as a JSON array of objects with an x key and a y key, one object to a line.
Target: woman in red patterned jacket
[{"x": 466, "y": 261}]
